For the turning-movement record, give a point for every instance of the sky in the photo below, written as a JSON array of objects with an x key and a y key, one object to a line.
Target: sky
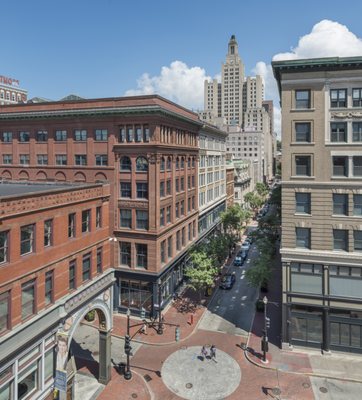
[{"x": 106, "y": 48}]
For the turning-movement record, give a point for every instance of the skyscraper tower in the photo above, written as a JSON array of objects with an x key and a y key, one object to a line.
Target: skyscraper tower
[{"x": 232, "y": 79}]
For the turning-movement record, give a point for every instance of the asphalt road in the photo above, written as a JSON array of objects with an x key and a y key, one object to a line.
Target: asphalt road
[{"x": 232, "y": 311}]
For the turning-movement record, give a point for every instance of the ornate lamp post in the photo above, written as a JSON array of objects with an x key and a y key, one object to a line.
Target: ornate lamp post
[
  {"x": 127, "y": 348},
  {"x": 264, "y": 340}
]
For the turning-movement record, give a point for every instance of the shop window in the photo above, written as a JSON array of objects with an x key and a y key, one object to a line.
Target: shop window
[
  {"x": 306, "y": 278},
  {"x": 345, "y": 281}
]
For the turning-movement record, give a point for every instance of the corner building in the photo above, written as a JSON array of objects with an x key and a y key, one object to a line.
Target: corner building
[
  {"x": 322, "y": 202},
  {"x": 146, "y": 148}
]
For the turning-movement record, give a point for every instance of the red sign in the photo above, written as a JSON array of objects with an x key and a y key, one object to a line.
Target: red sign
[{"x": 9, "y": 81}]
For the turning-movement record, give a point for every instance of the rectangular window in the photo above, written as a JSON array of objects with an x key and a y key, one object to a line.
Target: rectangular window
[
  {"x": 126, "y": 190},
  {"x": 101, "y": 159},
  {"x": 49, "y": 287},
  {"x": 357, "y": 166},
  {"x": 60, "y": 136},
  {"x": 101, "y": 135},
  {"x": 182, "y": 207},
  {"x": 340, "y": 204},
  {"x": 303, "y": 132},
  {"x": 80, "y": 135},
  {"x": 48, "y": 233},
  {"x": 126, "y": 218},
  {"x": 42, "y": 159},
  {"x": 138, "y": 133},
  {"x": 345, "y": 281},
  {"x": 357, "y": 204},
  {"x": 177, "y": 210},
  {"x": 72, "y": 275},
  {"x": 146, "y": 133},
  {"x": 125, "y": 254},
  {"x": 71, "y": 225},
  {"x": 183, "y": 237},
  {"x": 340, "y": 166},
  {"x": 27, "y": 239},
  {"x": 357, "y": 235},
  {"x": 189, "y": 204},
  {"x": 339, "y": 132},
  {"x": 98, "y": 217},
  {"x": 357, "y": 97},
  {"x": 177, "y": 186},
  {"x": 41, "y": 136},
  {"x": 193, "y": 202},
  {"x": 7, "y": 159},
  {"x": 7, "y": 137},
  {"x": 49, "y": 365},
  {"x": 24, "y": 159},
  {"x": 129, "y": 136},
  {"x": 178, "y": 240},
  {"x": 142, "y": 190},
  {"x": 4, "y": 312},
  {"x": 141, "y": 255},
  {"x": 27, "y": 299},
  {"x": 338, "y": 97},
  {"x": 162, "y": 189},
  {"x": 302, "y": 236},
  {"x": 182, "y": 184},
  {"x": 4, "y": 246},
  {"x": 99, "y": 260},
  {"x": 86, "y": 215},
  {"x": 302, "y": 99},
  {"x": 357, "y": 131},
  {"x": 168, "y": 187},
  {"x": 303, "y": 203},
  {"x": 24, "y": 136},
  {"x": 162, "y": 217},
  {"x": 306, "y": 278},
  {"x": 162, "y": 251},
  {"x": 303, "y": 165},
  {"x": 86, "y": 267},
  {"x": 168, "y": 214},
  {"x": 141, "y": 219},
  {"x": 122, "y": 134},
  {"x": 189, "y": 182},
  {"x": 61, "y": 159},
  {"x": 80, "y": 159},
  {"x": 340, "y": 239},
  {"x": 190, "y": 231},
  {"x": 193, "y": 180},
  {"x": 169, "y": 247}
]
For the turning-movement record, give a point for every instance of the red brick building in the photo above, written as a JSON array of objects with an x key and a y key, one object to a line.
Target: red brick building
[
  {"x": 146, "y": 148},
  {"x": 54, "y": 268}
]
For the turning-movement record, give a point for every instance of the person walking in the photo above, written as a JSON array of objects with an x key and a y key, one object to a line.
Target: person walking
[
  {"x": 203, "y": 353},
  {"x": 213, "y": 353}
]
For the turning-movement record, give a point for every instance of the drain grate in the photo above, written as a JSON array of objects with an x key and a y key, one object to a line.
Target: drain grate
[
  {"x": 189, "y": 385},
  {"x": 323, "y": 389},
  {"x": 306, "y": 385},
  {"x": 134, "y": 395},
  {"x": 147, "y": 378},
  {"x": 276, "y": 391}
]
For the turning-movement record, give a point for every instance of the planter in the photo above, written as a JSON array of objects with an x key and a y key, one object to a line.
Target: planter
[{"x": 90, "y": 316}]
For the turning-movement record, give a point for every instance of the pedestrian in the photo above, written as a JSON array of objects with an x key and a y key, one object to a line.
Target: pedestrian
[
  {"x": 213, "y": 353},
  {"x": 203, "y": 353}
]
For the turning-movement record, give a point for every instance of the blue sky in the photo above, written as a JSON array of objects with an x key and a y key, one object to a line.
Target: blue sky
[{"x": 100, "y": 48}]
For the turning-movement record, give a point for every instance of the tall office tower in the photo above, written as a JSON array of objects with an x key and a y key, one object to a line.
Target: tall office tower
[
  {"x": 212, "y": 97},
  {"x": 322, "y": 202},
  {"x": 232, "y": 79}
]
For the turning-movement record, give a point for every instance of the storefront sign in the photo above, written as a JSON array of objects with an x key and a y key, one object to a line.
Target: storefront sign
[
  {"x": 60, "y": 380},
  {"x": 9, "y": 81}
]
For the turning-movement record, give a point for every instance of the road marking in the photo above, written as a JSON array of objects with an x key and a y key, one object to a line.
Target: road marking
[{"x": 242, "y": 277}]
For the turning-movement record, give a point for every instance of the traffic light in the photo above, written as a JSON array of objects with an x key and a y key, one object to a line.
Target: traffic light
[
  {"x": 177, "y": 334},
  {"x": 267, "y": 322},
  {"x": 127, "y": 344},
  {"x": 143, "y": 313}
]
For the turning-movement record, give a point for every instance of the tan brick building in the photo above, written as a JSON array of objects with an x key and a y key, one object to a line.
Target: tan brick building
[{"x": 322, "y": 202}]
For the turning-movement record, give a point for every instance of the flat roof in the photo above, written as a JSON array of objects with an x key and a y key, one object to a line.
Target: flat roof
[{"x": 8, "y": 188}]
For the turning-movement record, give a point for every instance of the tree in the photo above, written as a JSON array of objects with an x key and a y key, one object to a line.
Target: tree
[
  {"x": 233, "y": 218},
  {"x": 254, "y": 200},
  {"x": 261, "y": 189},
  {"x": 260, "y": 273},
  {"x": 218, "y": 249}
]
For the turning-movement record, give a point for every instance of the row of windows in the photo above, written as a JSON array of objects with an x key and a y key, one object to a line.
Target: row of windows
[
  {"x": 28, "y": 237},
  {"x": 344, "y": 166},
  {"x": 211, "y": 161},
  {"x": 177, "y": 136},
  {"x": 30, "y": 289},
  {"x": 134, "y": 133},
  {"x": 6, "y": 96},
  {"x": 303, "y": 203},
  {"x": 165, "y": 212},
  {"x": 212, "y": 193},
  {"x": 166, "y": 186},
  {"x": 141, "y": 190},
  {"x": 125, "y": 164},
  {"x": 340, "y": 239},
  {"x": 60, "y": 159},
  {"x": 79, "y": 135},
  {"x": 179, "y": 163}
]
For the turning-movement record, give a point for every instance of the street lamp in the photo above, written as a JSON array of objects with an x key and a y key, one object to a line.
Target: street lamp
[
  {"x": 160, "y": 325},
  {"x": 264, "y": 341},
  {"x": 127, "y": 348}
]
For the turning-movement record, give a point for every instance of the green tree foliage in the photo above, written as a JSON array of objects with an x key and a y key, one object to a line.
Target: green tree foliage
[
  {"x": 260, "y": 273},
  {"x": 234, "y": 218},
  {"x": 261, "y": 189},
  {"x": 254, "y": 200}
]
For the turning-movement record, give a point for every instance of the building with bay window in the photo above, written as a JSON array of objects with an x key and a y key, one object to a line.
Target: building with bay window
[{"x": 322, "y": 202}]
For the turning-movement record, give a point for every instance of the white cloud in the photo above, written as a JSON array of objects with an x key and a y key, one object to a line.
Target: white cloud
[
  {"x": 327, "y": 39},
  {"x": 178, "y": 82}
]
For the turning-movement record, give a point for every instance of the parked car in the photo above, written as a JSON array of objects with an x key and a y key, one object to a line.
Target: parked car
[
  {"x": 238, "y": 261},
  {"x": 245, "y": 246},
  {"x": 227, "y": 281}
]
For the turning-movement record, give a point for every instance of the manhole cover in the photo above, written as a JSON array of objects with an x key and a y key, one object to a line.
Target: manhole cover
[
  {"x": 147, "y": 378},
  {"x": 276, "y": 391},
  {"x": 306, "y": 385},
  {"x": 189, "y": 385},
  {"x": 323, "y": 389},
  {"x": 134, "y": 395}
]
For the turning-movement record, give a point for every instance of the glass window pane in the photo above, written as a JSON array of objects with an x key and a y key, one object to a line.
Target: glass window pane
[
  {"x": 299, "y": 328},
  {"x": 314, "y": 330},
  {"x": 356, "y": 336},
  {"x": 344, "y": 331},
  {"x": 334, "y": 333}
]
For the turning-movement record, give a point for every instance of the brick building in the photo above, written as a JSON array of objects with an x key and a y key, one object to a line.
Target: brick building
[
  {"x": 54, "y": 268},
  {"x": 146, "y": 148}
]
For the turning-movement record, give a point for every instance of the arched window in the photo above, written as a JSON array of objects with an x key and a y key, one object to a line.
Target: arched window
[
  {"x": 177, "y": 163},
  {"x": 182, "y": 162},
  {"x": 169, "y": 163},
  {"x": 162, "y": 166},
  {"x": 141, "y": 164},
  {"x": 125, "y": 164}
]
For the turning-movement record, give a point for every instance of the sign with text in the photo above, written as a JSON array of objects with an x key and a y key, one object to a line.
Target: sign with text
[
  {"x": 8, "y": 81},
  {"x": 60, "y": 382}
]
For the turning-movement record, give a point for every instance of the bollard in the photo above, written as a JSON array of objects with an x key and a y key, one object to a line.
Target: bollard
[{"x": 191, "y": 319}]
